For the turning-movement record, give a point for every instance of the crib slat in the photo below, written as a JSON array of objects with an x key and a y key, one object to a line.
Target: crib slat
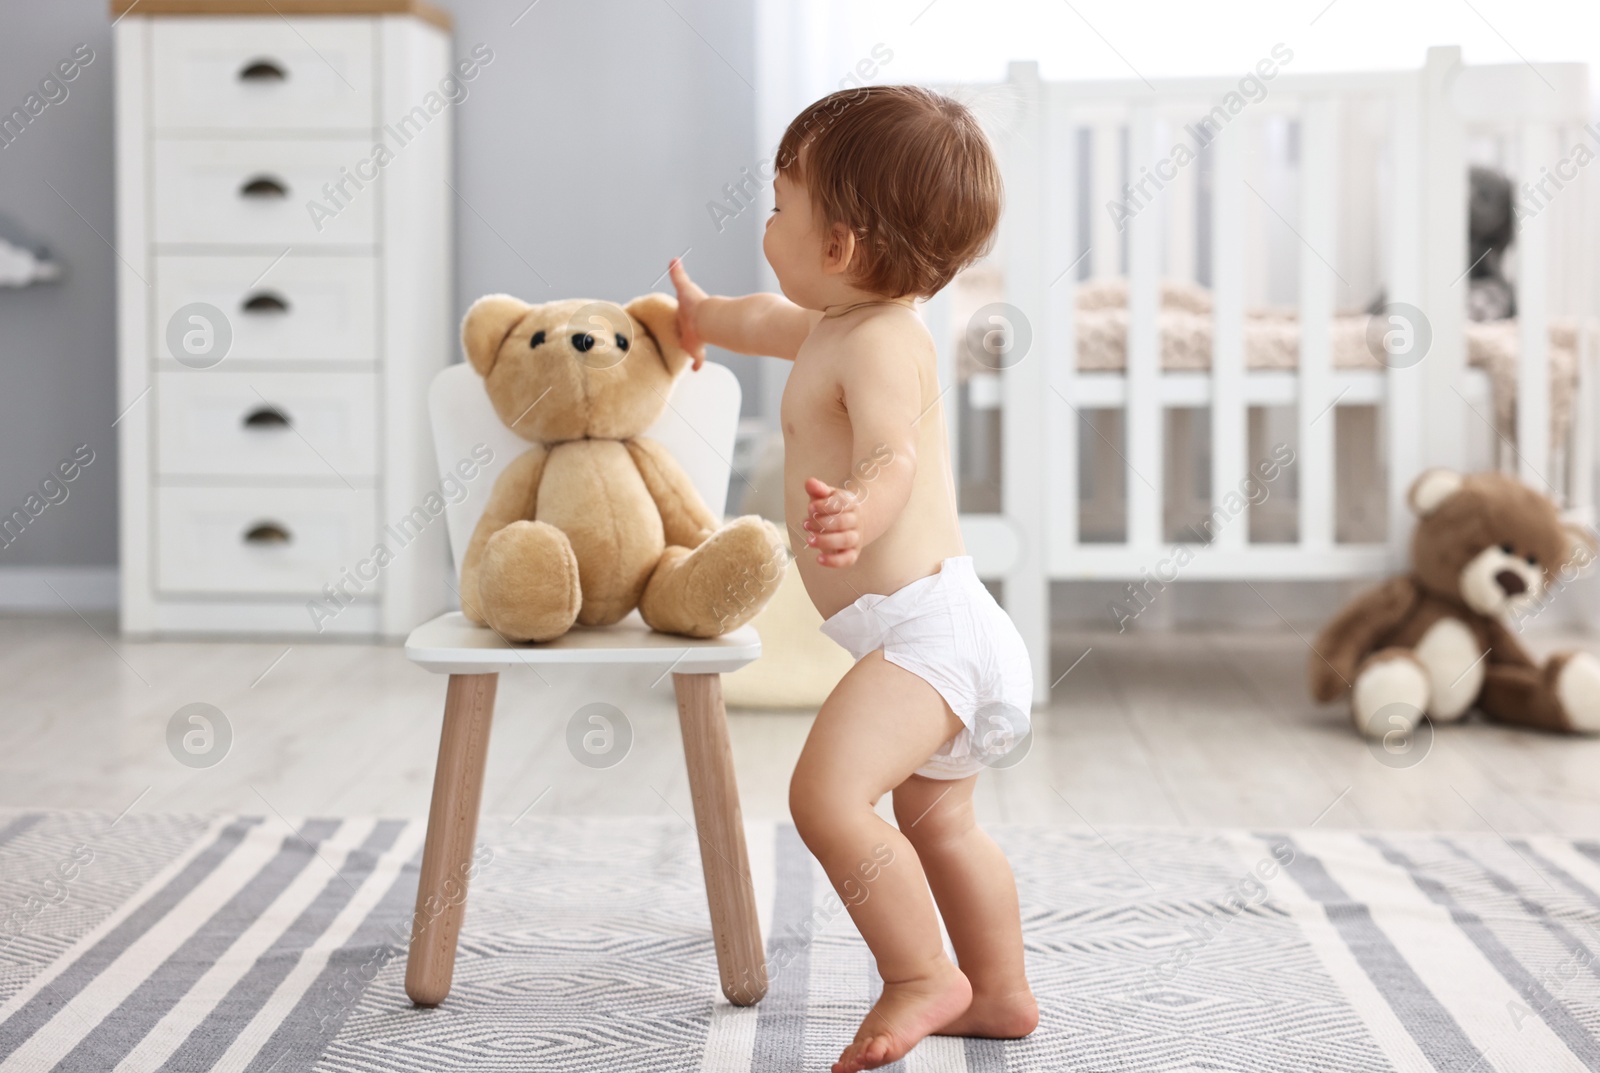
[
  {"x": 1106, "y": 187},
  {"x": 1319, "y": 207},
  {"x": 1533, "y": 316},
  {"x": 1404, "y": 261},
  {"x": 1025, "y": 461},
  {"x": 1144, "y": 409},
  {"x": 1181, "y": 197},
  {"x": 1062, "y": 249},
  {"x": 1228, "y": 410},
  {"x": 1444, "y": 207}
]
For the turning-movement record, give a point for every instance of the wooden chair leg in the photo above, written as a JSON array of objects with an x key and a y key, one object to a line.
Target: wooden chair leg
[
  {"x": 741, "y": 961},
  {"x": 452, "y": 830}
]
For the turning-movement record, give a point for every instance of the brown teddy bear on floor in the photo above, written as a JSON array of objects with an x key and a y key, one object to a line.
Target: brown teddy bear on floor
[
  {"x": 1433, "y": 642},
  {"x": 595, "y": 520}
]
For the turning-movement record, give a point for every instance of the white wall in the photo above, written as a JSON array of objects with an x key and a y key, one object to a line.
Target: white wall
[{"x": 957, "y": 40}]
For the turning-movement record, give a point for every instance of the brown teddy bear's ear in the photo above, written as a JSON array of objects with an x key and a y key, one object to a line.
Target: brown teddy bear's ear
[
  {"x": 1432, "y": 488},
  {"x": 486, "y": 326},
  {"x": 659, "y": 315}
]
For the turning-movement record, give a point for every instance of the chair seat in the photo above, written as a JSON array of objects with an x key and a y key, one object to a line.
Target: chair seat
[{"x": 450, "y": 644}]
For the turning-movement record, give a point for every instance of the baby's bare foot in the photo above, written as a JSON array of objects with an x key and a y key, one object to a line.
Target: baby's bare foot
[
  {"x": 905, "y": 1013},
  {"x": 996, "y": 1016}
]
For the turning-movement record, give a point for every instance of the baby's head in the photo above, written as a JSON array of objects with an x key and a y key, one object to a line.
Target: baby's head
[{"x": 881, "y": 192}]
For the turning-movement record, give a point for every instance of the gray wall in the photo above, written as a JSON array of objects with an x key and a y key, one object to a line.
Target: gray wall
[
  {"x": 587, "y": 150},
  {"x": 58, "y": 341}
]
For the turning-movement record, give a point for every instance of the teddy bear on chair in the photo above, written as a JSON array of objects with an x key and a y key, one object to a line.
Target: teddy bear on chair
[
  {"x": 1433, "y": 642},
  {"x": 595, "y": 520}
]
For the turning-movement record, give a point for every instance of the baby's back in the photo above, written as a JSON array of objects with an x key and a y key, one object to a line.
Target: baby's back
[{"x": 862, "y": 396}]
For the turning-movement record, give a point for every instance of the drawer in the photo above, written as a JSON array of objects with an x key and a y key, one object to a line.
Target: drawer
[
  {"x": 263, "y": 74},
  {"x": 257, "y": 191},
  {"x": 301, "y": 308},
  {"x": 274, "y": 540},
  {"x": 211, "y": 423}
]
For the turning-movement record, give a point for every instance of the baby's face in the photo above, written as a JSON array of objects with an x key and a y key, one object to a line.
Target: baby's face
[{"x": 795, "y": 245}]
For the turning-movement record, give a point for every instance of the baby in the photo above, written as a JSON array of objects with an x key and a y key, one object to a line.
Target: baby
[{"x": 883, "y": 194}]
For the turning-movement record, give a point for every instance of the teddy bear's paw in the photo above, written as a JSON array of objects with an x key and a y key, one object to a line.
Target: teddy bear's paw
[
  {"x": 1577, "y": 684},
  {"x": 528, "y": 582},
  {"x": 1390, "y": 695},
  {"x": 720, "y": 585}
]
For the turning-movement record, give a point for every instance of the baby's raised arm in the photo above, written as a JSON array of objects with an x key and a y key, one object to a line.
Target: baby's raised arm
[{"x": 755, "y": 324}]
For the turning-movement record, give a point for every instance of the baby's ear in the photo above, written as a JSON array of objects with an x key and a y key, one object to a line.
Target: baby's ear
[
  {"x": 659, "y": 315},
  {"x": 486, "y": 325},
  {"x": 1432, "y": 489}
]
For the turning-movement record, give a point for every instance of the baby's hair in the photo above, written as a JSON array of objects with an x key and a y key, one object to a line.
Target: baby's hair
[{"x": 909, "y": 171}]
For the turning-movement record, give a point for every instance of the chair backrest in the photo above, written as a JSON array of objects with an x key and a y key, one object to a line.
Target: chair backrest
[{"x": 698, "y": 427}]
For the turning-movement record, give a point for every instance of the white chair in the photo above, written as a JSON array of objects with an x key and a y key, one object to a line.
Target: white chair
[{"x": 698, "y": 428}]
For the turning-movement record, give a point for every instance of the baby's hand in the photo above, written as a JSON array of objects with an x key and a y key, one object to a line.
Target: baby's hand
[
  {"x": 833, "y": 524},
  {"x": 689, "y": 298}
]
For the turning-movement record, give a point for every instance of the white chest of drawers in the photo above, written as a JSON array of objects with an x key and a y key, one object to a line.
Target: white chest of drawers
[{"x": 273, "y": 357}]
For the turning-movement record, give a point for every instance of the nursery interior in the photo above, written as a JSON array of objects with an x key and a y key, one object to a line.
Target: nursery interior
[{"x": 1272, "y": 411}]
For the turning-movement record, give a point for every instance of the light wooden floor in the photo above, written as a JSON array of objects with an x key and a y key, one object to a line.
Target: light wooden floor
[{"x": 1181, "y": 729}]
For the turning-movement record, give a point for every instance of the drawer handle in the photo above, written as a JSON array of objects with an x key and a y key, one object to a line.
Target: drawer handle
[
  {"x": 263, "y": 71},
  {"x": 264, "y": 186},
  {"x": 266, "y": 302},
  {"x": 266, "y": 417},
  {"x": 267, "y": 533}
]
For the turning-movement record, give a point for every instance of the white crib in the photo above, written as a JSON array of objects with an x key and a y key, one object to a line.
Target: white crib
[{"x": 1349, "y": 182}]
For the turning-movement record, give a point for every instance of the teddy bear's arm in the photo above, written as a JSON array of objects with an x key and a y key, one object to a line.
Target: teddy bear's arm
[
  {"x": 1504, "y": 648},
  {"x": 1354, "y": 633},
  {"x": 686, "y": 519},
  {"x": 512, "y": 499}
]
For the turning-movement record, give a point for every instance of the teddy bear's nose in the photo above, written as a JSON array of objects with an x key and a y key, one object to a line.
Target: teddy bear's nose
[
  {"x": 1511, "y": 582},
  {"x": 583, "y": 342}
]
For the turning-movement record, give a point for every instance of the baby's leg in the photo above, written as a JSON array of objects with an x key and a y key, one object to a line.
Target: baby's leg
[
  {"x": 977, "y": 897},
  {"x": 880, "y": 724}
]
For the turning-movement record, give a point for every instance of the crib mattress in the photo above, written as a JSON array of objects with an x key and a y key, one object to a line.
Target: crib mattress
[{"x": 1272, "y": 342}]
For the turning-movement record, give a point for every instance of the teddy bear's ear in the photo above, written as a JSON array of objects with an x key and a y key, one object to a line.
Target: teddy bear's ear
[
  {"x": 486, "y": 326},
  {"x": 1583, "y": 545},
  {"x": 659, "y": 315},
  {"x": 1433, "y": 488}
]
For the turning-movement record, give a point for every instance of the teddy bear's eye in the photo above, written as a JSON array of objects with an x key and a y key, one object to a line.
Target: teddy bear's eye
[
  {"x": 538, "y": 338},
  {"x": 1507, "y": 549},
  {"x": 1533, "y": 560},
  {"x": 622, "y": 342}
]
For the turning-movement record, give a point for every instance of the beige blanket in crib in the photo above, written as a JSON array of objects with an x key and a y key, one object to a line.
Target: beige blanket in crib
[{"x": 1272, "y": 341}]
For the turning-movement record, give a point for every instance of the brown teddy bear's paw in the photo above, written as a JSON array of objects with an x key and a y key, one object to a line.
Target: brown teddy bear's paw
[
  {"x": 528, "y": 582},
  {"x": 720, "y": 585},
  {"x": 1575, "y": 678}
]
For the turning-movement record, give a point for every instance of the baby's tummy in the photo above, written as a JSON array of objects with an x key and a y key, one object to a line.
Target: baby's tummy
[{"x": 924, "y": 534}]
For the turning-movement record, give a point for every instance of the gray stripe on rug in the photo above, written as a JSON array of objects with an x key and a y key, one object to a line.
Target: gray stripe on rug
[
  {"x": 1559, "y": 1019},
  {"x": 39, "y": 1009},
  {"x": 1535, "y": 909},
  {"x": 20, "y": 825},
  {"x": 314, "y": 1023},
  {"x": 1590, "y": 850},
  {"x": 1546, "y": 865},
  {"x": 1433, "y": 1028},
  {"x": 781, "y": 1018},
  {"x": 985, "y": 1055},
  {"x": 212, "y": 1037},
  {"x": 164, "y": 988}
]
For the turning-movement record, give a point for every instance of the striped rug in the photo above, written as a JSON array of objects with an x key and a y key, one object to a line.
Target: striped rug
[{"x": 238, "y": 943}]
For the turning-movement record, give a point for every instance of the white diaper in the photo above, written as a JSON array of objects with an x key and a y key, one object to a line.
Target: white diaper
[{"x": 947, "y": 630}]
